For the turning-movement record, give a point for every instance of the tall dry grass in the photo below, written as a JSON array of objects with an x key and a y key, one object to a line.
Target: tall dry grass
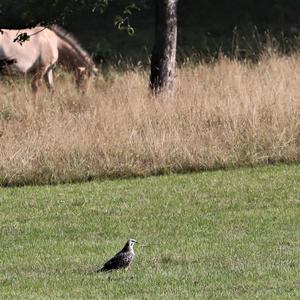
[{"x": 224, "y": 115}]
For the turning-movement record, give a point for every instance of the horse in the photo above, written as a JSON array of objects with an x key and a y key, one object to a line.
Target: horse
[{"x": 38, "y": 55}]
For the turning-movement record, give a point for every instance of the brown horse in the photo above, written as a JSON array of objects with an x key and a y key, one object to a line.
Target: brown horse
[{"x": 38, "y": 55}]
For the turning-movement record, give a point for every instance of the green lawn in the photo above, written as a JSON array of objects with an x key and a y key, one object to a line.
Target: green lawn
[{"x": 213, "y": 235}]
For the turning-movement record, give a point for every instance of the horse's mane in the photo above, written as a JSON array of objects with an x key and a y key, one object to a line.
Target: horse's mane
[{"x": 71, "y": 40}]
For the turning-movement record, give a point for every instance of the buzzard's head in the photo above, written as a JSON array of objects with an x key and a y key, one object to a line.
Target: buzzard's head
[
  {"x": 131, "y": 242},
  {"x": 129, "y": 245}
]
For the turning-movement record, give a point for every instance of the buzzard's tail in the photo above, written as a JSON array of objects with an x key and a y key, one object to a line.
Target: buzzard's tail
[{"x": 103, "y": 269}]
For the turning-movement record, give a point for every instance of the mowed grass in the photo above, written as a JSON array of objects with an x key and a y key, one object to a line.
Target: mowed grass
[{"x": 212, "y": 235}]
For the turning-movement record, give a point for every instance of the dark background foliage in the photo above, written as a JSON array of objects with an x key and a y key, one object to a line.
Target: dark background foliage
[{"x": 205, "y": 27}]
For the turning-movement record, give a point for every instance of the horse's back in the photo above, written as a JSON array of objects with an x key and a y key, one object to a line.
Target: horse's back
[{"x": 41, "y": 48}]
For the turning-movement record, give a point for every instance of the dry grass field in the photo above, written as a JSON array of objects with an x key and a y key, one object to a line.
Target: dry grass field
[{"x": 226, "y": 114}]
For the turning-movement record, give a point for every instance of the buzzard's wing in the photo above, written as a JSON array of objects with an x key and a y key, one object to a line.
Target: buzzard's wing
[{"x": 120, "y": 260}]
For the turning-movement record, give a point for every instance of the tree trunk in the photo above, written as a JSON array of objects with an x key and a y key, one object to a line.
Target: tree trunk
[{"x": 163, "y": 60}]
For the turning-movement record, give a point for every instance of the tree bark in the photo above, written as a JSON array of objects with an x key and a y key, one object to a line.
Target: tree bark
[{"x": 163, "y": 60}]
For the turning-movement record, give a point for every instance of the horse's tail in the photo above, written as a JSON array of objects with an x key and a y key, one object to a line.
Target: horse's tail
[{"x": 6, "y": 61}]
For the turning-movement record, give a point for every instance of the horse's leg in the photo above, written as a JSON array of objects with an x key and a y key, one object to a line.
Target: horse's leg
[
  {"x": 34, "y": 85},
  {"x": 48, "y": 77},
  {"x": 36, "y": 79},
  {"x": 81, "y": 78},
  {"x": 46, "y": 73}
]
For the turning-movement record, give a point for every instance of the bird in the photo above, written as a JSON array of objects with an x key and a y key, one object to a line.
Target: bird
[{"x": 122, "y": 259}]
